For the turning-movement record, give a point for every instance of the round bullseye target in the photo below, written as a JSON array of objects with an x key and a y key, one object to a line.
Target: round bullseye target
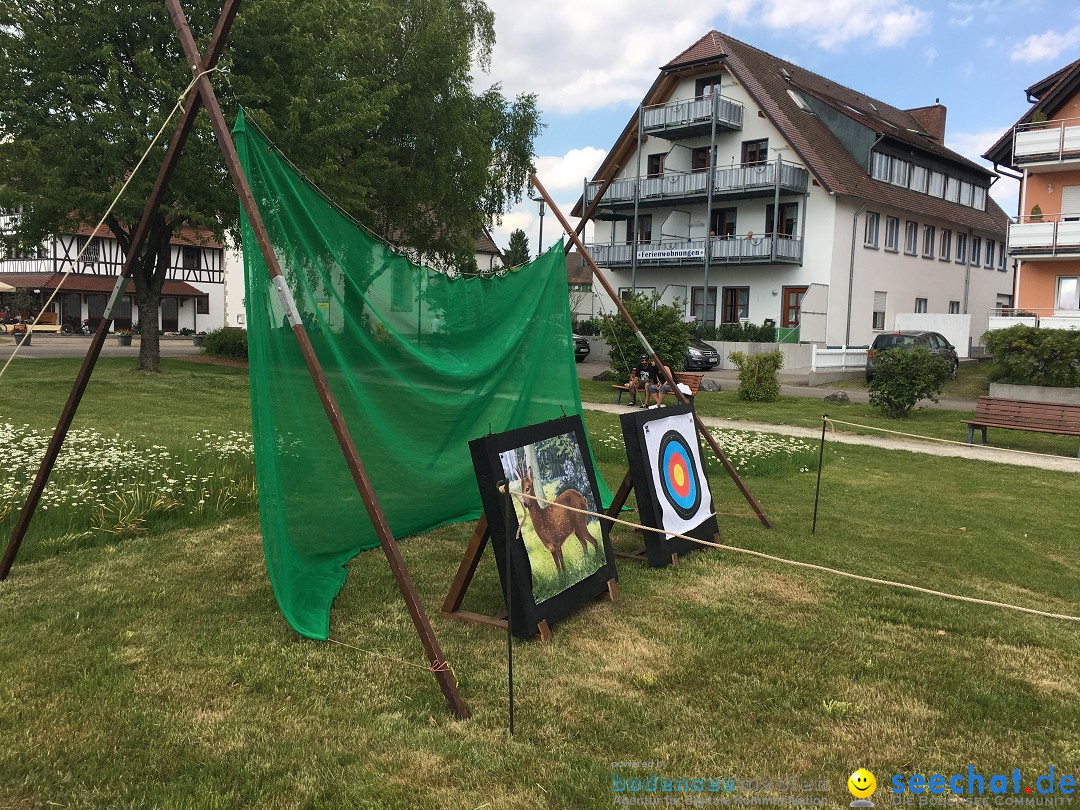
[{"x": 677, "y": 475}]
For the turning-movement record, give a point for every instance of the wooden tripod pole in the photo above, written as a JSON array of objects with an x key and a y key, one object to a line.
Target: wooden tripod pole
[
  {"x": 709, "y": 439},
  {"x": 439, "y": 666},
  {"x": 138, "y": 239}
]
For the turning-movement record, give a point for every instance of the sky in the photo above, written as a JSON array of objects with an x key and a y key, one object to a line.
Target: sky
[{"x": 590, "y": 62}]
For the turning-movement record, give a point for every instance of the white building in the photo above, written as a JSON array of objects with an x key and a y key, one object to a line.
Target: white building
[{"x": 761, "y": 181}]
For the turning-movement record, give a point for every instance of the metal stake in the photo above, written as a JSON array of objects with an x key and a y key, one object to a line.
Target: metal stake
[{"x": 821, "y": 458}]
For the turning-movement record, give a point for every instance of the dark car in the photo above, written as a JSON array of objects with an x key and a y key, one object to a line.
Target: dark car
[
  {"x": 900, "y": 340},
  {"x": 700, "y": 356},
  {"x": 581, "y": 348}
]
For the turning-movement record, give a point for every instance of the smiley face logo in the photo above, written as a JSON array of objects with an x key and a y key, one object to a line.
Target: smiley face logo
[{"x": 862, "y": 784}]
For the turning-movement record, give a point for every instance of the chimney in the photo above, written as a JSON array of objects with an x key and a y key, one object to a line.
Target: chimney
[{"x": 932, "y": 119}]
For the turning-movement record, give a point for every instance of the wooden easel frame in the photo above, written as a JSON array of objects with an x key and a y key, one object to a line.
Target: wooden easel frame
[{"x": 200, "y": 65}]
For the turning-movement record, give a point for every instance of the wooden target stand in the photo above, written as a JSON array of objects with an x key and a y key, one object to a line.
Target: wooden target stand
[{"x": 463, "y": 579}]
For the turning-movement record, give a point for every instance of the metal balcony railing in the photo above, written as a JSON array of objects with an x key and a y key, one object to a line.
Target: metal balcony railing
[
  {"x": 1040, "y": 317},
  {"x": 691, "y": 252},
  {"x": 1047, "y": 141},
  {"x": 691, "y": 115},
  {"x": 1045, "y": 234},
  {"x": 731, "y": 181}
]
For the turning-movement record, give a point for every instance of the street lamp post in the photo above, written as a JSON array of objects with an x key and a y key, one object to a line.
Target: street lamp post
[{"x": 539, "y": 200}]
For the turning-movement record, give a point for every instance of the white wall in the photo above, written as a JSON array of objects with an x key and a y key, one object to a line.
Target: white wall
[
  {"x": 955, "y": 328},
  {"x": 234, "y": 314}
]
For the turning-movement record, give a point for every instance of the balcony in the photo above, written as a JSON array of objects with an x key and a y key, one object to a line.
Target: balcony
[
  {"x": 691, "y": 252},
  {"x": 1047, "y": 146},
  {"x": 691, "y": 118},
  {"x": 1004, "y": 317},
  {"x": 1048, "y": 236},
  {"x": 733, "y": 182}
]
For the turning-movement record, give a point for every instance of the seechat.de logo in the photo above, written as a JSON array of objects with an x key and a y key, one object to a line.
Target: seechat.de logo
[{"x": 862, "y": 785}]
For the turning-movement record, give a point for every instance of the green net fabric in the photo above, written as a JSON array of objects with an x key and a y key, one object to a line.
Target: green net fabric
[{"x": 420, "y": 364}]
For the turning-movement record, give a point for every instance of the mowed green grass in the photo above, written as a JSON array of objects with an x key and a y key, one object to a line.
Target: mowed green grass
[{"x": 157, "y": 672}]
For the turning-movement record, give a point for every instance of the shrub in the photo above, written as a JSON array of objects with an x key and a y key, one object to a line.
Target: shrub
[
  {"x": 757, "y": 375},
  {"x": 904, "y": 376},
  {"x": 1024, "y": 355},
  {"x": 586, "y": 326},
  {"x": 740, "y": 332},
  {"x": 226, "y": 343},
  {"x": 662, "y": 325}
]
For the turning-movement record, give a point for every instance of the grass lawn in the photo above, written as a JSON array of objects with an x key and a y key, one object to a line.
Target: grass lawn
[{"x": 154, "y": 670}]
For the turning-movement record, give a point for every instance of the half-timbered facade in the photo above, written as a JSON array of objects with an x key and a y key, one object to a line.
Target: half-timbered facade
[{"x": 193, "y": 296}]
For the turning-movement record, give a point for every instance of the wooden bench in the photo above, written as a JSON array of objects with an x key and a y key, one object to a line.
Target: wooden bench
[
  {"x": 1017, "y": 414},
  {"x": 46, "y": 323},
  {"x": 691, "y": 381}
]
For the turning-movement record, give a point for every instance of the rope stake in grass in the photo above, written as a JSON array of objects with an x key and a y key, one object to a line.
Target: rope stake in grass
[
  {"x": 821, "y": 458},
  {"x": 812, "y": 566}
]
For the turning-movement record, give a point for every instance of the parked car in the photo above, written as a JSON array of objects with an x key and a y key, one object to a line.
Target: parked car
[
  {"x": 700, "y": 356},
  {"x": 900, "y": 340},
  {"x": 581, "y": 348}
]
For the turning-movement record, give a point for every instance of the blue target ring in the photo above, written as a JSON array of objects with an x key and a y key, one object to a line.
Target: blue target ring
[{"x": 678, "y": 476}]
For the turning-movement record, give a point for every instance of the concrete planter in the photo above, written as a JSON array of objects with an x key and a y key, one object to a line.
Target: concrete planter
[
  {"x": 23, "y": 338},
  {"x": 1036, "y": 393},
  {"x": 197, "y": 340},
  {"x": 123, "y": 340}
]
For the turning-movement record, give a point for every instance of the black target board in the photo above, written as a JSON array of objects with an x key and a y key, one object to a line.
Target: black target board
[
  {"x": 561, "y": 557},
  {"x": 666, "y": 466}
]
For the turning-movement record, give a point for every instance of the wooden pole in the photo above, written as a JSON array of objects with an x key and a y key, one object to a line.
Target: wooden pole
[
  {"x": 709, "y": 439},
  {"x": 439, "y": 666},
  {"x": 138, "y": 239}
]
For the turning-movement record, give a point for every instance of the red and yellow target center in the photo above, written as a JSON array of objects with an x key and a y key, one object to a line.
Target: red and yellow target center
[{"x": 679, "y": 476}]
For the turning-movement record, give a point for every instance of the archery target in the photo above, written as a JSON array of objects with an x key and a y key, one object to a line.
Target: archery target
[
  {"x": 676, "y": 474},
  {"x": 674, "y": 463}
]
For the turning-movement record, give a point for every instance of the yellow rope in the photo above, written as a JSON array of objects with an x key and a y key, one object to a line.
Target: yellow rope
[
  {"x": 936, "y": 439},
  {"x": 108, "y": 211},
  {"x": 438, "y": 666},
  {"x": 799, "y": 564}
]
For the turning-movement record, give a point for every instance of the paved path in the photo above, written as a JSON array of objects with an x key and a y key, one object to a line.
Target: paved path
[
  {"x": 929, "y": 447},
  {"x": 49, "y": 344}
]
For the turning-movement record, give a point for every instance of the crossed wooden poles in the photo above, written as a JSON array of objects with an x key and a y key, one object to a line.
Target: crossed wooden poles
[{"x": 204, "y": 95}]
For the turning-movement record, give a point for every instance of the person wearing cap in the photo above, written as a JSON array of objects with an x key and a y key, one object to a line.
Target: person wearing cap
[{"x": 639, "y": 379}]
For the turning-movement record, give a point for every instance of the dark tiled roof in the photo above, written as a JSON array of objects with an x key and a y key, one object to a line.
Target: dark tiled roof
[
  {"x": 485, "y": 244},
  {"x": 1051, "y": 92},
  {"x": 763, "y": 76},
  {"x": 183, "y": 236},
  {"x": 577, "y": 271},
  {"x": 82, "y": 282}
]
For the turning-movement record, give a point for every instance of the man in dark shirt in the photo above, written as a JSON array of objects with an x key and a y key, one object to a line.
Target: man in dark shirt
[{"x": 639, "y": 379}]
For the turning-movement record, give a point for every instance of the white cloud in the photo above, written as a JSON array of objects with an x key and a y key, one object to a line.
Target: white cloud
[
  {"x": 931, "y": 55},
  {"x": 1045, "y": 47},
  {"x": 585, "y": 55}
]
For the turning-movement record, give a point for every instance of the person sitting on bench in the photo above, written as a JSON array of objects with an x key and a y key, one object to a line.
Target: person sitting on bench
[
  {"x": 661, "y": 386},
  {"x": 639, "y": 379}
]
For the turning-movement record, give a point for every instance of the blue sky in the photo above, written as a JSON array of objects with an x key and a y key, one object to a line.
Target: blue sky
[{"x": 591, "y": 61}]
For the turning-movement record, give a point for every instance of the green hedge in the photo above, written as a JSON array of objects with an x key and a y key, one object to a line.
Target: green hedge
[
  {"x": 226, "y": 343},
  {"x": 1024, "y": 355},
  {"x": 904, "y": 376},
  {"x": 662, "y": 325},
  {"x": 757, "y": 375}
]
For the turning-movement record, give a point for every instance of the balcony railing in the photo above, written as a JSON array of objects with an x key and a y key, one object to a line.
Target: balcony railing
[
  {"x": 1047, "y": 141},
  {"x": 1045, "y": 235},
  {"x": 1042, "y": 318},
  {"x": 691, "y": 252},
  {"x": 747, "y": 180},
  {"x": 691, "y": 117}
]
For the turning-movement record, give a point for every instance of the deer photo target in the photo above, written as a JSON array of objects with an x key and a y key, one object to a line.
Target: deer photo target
[{"x": 561, "y": 554}]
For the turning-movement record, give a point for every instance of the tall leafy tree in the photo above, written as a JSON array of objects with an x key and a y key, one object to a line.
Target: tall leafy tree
[
  {"x": 517, "y": 249},
  {"x": 372, "y": 99}
]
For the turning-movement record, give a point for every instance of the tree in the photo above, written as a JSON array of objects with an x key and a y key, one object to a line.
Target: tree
[
  {"x": 905, "y": 375},
  {"x": 371, "y": 99},
  {"x": 517, "y": 250},
  {"x": 662, "y": 325}
]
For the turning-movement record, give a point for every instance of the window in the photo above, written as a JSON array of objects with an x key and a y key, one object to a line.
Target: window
[
  {"x": 644, "y": 230},
  {"x": 401, "y": 289},
  {"x": 945, "y": 245},
  {"x": 879, "y": 310},
  {"x": 870, "y": 232},
  {"x": 976, "y": 250},
  {"x": 1001, "y": 258},
  {"x": 723, "y": 222},
  {"x": 928, "y": 233},
  {"x": 707, "y": 86},
  {"x": 656, "y": 164},
  {"x": 892, "y": 234},
  {"x": 952, "y": 189},
  {"x": 954, "y": 307},
  {"x": 192, "y": 258},
  {"x": 961, "y": 247},
  {"x": 978, "y": 198},
  {"x": 792, "y": 303},
  {"x": 990, "y": 245},
  {"x": 920, "y": 305},
  {"x": 699, "y": 159},
  {"x": 696, "y": 301},
  {"x": 899, "y": 171},
  {"x": 1068, "y": 293},
  {"x": 202, "y": 305},
  {"x": 919, "y": 176},
  {"x": 937, "y": 184},
  {"x": 788, "y": 213},
  {"x": 754, "y": 153},
  {"x": 736, "y": 304},
  {"x": 879, "y": 166},
  {"x": 911, "y": 237},
  {"x": 90, "y": 254},
  {"x": 965, "y": 193}
]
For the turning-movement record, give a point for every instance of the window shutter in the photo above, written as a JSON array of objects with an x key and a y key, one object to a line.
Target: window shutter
[
  {"x": 879, "y": 301},
  {"x": 1070, "y": 201}
]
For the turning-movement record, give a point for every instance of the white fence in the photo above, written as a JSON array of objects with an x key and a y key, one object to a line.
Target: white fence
[{"x": 842, "y": 359}]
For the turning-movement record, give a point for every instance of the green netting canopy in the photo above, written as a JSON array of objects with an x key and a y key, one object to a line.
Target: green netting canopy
[{"x": 420, "y": 361}]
